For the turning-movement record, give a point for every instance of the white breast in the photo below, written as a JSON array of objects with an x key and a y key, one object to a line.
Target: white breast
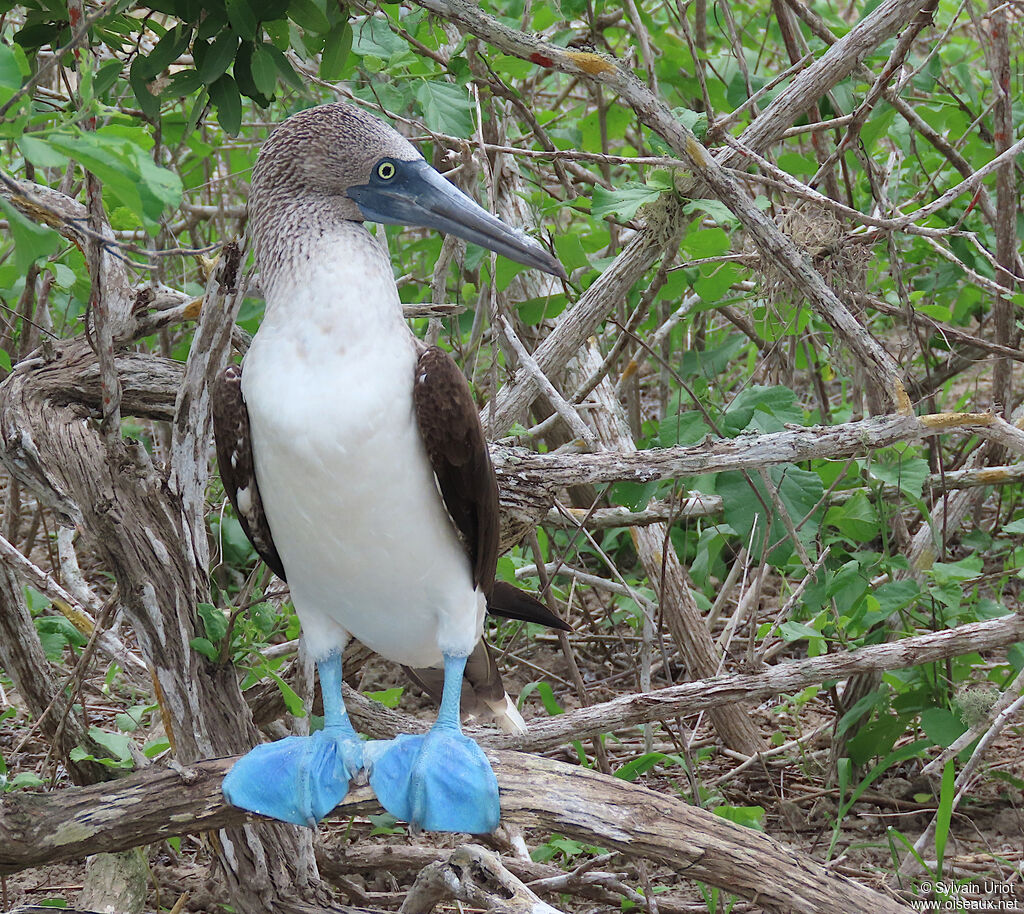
[{"x": 347, "y": 487}]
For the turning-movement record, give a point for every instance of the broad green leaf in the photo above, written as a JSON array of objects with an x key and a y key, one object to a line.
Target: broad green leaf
[
  {"x": 387, "y": 697},
  {"x": 291, "y": 699},
  {"x": 705, "y": 242},
  {"x": 228, "y": 102},
  {"x": 215, "y": 622},
  {"x": 213, "y": 58},
  {"x": 125, "y": 168},
  {"x": 624, "y": 201},
  {"x": 11, "y": 75},
  {"x": 644, "y": 763},
  {"x": 446, "y": 107},
  {"x": 31, "y": 241},
  {"x": 166, "y": 51},
  {"x": 139, "y": 80},
  {"x": 716, "y": 209},
  {"x": 307, "y": 14},
  {"x": 40, "y": 153},
  {"x": 264, "y": 70},
  {"x": 336, "y": 52},
  {"x": 716, "y": 280},
  {"x": 942, "y": 726},
  {"x": 243, "y": 19},
  {"x": 799, "y": 491},
  {"x": 797, "y": 631},
  {"x": 374, "y": 37},
  {"x": 908, "y": 474},
  {"x": 895, "y": 595},
  {"x": 747, "y": 816},
  {"x": 205, "y": 647},
  {"x": 762, "y": 409},
  {"x": 115, "y": 743},
  {"x": 856, "y": 519}
]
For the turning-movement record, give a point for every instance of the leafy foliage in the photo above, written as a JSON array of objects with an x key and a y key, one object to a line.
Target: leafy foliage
[{"x": 167, "y": 105}]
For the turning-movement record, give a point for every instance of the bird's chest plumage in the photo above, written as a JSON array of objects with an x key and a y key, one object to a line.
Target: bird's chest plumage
[{"x": 346, "y": 483}]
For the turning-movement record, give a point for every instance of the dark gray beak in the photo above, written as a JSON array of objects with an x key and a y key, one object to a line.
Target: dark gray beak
[{"x": 418, "y": 195}]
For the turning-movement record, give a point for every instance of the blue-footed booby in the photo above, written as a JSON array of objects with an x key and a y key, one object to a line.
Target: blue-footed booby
[{"x": 355, "y": 459}]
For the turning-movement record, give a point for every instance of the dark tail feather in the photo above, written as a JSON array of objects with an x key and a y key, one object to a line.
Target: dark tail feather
[{"x": 513, "y": 603}]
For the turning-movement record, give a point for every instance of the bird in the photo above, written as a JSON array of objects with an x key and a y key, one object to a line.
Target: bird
[{"x": 357, "y": 465}]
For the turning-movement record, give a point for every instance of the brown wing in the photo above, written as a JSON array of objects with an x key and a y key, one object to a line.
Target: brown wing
[
  {"x": 234, "y": 457},
  {"x": 454, "y": 438}
]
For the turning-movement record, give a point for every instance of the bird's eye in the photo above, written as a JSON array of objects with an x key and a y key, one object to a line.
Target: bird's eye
[{"x": 386, "y": 171}]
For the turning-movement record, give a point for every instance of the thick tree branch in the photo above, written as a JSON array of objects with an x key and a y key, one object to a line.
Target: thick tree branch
[{"x": 159, "y": 803}]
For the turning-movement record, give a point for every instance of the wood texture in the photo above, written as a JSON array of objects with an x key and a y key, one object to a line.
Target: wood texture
[{"x": 552, "y": 796}]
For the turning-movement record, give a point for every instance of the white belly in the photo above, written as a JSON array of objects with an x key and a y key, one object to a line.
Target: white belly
[{"x": 352, "y": 501}]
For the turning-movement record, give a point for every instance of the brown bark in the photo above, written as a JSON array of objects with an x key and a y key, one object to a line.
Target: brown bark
[{"x": 536, "y": 792}]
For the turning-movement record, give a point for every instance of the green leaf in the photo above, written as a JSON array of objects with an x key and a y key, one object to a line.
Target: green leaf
[
  {"x": 166, "y": 51},
  {"x": 908, "y": 474},
  {"x": 206, "y": 648},
  {"x": 213, "y": 59},
  {"x": 387, "y": 697},
  {"x": 11, "y": 74},
  {"x": 139, "y": 80},
  {"x": 446, "y": 107},
  {"x": 799, "y": 491},
  {"x": 856, "y": 519},
  {"x": 125, "y": 168},
  {"x": 5, "y": 363},
  {"x": 546, "y": 694},
  {"x": 291, "y": 699},
  {"x": 942, "y": 726},
  {"x": 385, "y": 824},
  {"x": 215, "y": 623},
  {"x": 31, "y": 241},
  {"x": 228, "y": 102},
  {"x": 705, "y": 242},
  {"x": 308, "y": 15},
  {"x": 644, "y": 763},
  {"x": 716, "y": 209},
  {"x": 115, "y": 743},
  {"x": 747, "y": 816},
  {"x": 336, "y": 52},
  {"x": 243, "y": 19},
  {"x": 264, "y": 70},
  {"x": 625, "y": 200},
  {"x": 762, "y": 409},
  {"x": 40, "y": 153}
]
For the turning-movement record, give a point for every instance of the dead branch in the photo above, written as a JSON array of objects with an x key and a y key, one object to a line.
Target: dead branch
[
  {"x": 771, "y": 242},
  {"x": 155, "y": 804},
  {"x": 783, "y": 678},
  {"x": 476, "y": 876}
]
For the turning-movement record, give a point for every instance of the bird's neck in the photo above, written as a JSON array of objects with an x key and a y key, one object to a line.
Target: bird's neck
[{"x": 327, "y": 274}]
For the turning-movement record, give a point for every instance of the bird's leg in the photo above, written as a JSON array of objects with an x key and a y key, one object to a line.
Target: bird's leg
[
  {"x": 300, "y": 779},
  {"x": 440, "y": 780}
]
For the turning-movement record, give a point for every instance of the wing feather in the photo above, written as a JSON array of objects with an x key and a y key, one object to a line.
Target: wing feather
[
  {"x": 454, "y": 439},
  {"x": 237, "y": 470}
]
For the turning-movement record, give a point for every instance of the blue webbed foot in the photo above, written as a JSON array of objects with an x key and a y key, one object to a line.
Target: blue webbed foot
[
  {"x": 299, "y": 779},
  {"x": 441, "y": 780},
  {"x": 438, "y": 781}
]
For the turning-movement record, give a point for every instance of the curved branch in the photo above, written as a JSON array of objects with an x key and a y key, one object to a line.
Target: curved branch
[{"x": 160, "y": 803}]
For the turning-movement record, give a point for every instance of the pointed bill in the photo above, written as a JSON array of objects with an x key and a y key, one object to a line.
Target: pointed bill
[{"x": 418, "y": 195}]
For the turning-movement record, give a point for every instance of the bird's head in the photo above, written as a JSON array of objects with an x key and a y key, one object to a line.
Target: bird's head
[{"x": 368, "y": 171}]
